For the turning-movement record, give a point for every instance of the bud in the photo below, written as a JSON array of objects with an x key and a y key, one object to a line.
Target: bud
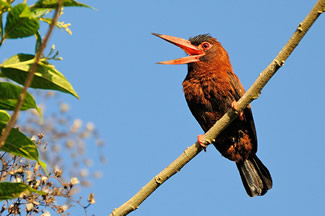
[
  {"x": 91, "y": 198},
  {"x": 29, "y": 206},
  {"x": 57, "y": 172},
  {"x": 74, "y": 181},
  {"x": 44, "y": 179}
]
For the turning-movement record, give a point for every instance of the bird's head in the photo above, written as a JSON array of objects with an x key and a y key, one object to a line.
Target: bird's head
[{"x": 200, "y": 49}]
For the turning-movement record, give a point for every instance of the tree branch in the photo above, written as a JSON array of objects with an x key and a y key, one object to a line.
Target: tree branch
[
  {"x": 15, "y": 114},
  {"x": 252, "y": 94}
]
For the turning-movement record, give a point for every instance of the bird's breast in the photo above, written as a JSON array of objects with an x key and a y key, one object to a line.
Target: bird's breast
[
  {"x": 207, "y": 97},
  {"x": 211, "y": 92}
]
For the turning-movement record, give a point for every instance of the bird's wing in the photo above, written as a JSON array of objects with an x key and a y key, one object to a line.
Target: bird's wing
[{"x": 238, "y": 92}]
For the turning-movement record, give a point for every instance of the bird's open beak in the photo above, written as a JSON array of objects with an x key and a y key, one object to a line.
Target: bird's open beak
[{"x": 194, "y": 52}]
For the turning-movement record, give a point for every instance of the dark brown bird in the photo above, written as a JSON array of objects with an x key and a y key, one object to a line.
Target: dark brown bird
[{"x": 211, "y": 88}]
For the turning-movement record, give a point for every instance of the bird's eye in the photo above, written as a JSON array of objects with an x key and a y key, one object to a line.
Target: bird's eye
[{"x": 206, "y": 45}]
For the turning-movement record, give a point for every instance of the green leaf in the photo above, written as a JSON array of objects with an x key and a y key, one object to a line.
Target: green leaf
[
  {"x": 54, "y": 3},
  {"x": 20, "y": 22},
  {"x": 26, "y": 13},
  {"x": 9, "y": 95},
  {"x": 19, "y": 144},
  {"x": 4, "y": 116},
  {"x": 46, "y": 76},
  {"x": 39, "y": 12},
  {"x": 10, "y": 190}
]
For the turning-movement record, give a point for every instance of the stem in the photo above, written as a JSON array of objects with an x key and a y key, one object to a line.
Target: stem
[
  {"x": 1, "y": 29},
  {"x": 252, "y": 94},
  {"x": 15, "y": 114}
]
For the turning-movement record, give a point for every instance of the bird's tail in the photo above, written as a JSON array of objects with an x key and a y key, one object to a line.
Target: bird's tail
[{"x": 255, "y": 176}]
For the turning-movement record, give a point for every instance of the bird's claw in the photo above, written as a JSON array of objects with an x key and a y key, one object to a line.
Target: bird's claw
[
  {"x": 200, "y": 140},
  {"x": 235, "y": 107}
]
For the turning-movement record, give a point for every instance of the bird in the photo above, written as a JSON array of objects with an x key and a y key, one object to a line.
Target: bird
[{"x": 211, "y": 88}]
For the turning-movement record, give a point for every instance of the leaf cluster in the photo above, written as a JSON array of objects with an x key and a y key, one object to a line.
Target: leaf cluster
[{"x": 20, "y": 20}]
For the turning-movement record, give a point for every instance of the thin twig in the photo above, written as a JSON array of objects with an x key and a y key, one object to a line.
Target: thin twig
[
  {"x": 252, "y": 94},
  {"x": 15, "y": 114},
  {"x": 80, "y": 204}
]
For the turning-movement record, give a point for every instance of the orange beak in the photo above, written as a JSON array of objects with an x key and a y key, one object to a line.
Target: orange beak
[{"x": 194, "y": 52}]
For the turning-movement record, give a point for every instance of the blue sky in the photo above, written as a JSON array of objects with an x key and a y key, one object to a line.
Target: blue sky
[{"x": 139, "y": 109}]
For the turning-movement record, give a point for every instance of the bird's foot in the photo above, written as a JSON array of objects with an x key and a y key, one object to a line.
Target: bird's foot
[
  {"x": 200, "y": 139},
  {"x": 235, "y": 107}
]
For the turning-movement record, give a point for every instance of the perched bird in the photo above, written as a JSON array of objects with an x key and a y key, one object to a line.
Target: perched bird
[{"x": 211, "y": 88}]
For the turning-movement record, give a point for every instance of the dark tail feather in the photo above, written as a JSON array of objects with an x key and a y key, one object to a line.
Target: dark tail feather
[{"x": 255, "y": 176}]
